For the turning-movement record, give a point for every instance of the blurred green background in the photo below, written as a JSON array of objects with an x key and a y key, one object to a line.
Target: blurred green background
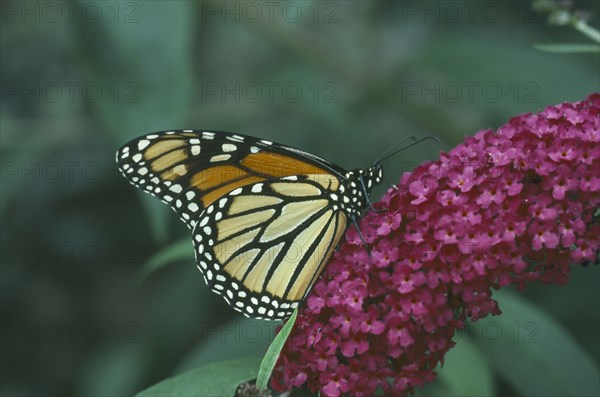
[{"x": 344, "y": 80}]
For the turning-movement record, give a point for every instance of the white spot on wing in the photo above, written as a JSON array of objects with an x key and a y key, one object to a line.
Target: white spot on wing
[
  {"x": 143, "y": 144},
  {"x": 228, "y": 147},
  {"x": 220, "y": 157},
  {"x": 176, "y": 188}
]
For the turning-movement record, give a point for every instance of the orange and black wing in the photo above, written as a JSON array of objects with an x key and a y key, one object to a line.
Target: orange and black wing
[{"x": 189, "y": 170}]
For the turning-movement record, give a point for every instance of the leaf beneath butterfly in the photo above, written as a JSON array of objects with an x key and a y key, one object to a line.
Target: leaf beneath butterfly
[
  {"x": 216, "y": 379},
  {"x": 269, "y": 360},
  {"x": 178, "y": 251}
]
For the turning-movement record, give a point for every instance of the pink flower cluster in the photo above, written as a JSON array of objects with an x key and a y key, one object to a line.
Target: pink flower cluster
[{"x": 505, "y": 207}]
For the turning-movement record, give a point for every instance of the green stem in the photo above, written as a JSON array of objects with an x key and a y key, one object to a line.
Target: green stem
[{"x": 587, "y": 30}]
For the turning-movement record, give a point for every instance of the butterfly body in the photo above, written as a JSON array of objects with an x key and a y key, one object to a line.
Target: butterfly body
[{"x": 265, "y": 217}]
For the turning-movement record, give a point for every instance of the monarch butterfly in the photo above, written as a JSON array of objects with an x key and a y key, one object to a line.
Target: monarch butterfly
[{"x": 265, "y": 217}]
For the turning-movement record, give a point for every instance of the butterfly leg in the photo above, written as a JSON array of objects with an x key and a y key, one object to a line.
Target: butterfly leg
[
  {"x": 366, "y": 193},
  {"x": 362, "y": 239}
]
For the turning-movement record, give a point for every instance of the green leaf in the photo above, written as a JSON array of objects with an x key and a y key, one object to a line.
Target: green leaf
[
  {"x": 239, "y": 337},
  {"x": 217, "y": 379},
  {"x": 534, "y": 353},
  {"x": 268, "y": 362},
  {"x": 180, "y": 250},
  {"x": 465, "y": 373},
  {"x": 560, "y": 48}
]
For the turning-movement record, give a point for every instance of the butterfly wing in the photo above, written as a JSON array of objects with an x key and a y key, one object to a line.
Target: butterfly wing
[
  {"x": 263, "y": 246},
  {"x": 189, "y": 170}
]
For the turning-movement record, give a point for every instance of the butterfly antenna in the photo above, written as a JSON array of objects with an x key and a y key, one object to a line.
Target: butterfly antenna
[
  {"x": 383, "y": 155},
  {"x": 387, "y": 153}
]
